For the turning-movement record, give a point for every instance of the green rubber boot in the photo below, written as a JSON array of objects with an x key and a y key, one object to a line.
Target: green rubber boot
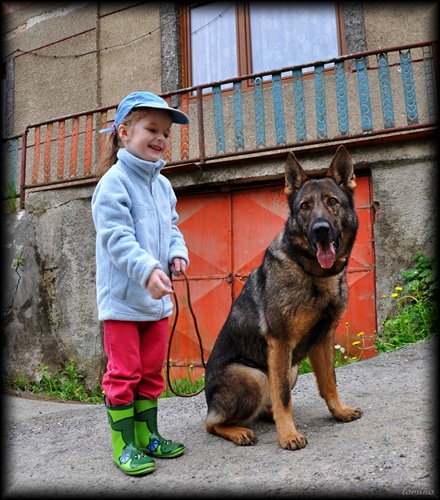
[
  {"x": 126, "y": 454},
  {"x": 148, "y": 438}
]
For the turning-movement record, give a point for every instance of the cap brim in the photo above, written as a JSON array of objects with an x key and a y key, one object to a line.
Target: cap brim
[{"x": 177, "y": 116}]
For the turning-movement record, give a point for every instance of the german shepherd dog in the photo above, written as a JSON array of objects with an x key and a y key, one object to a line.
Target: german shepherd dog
[{"x": 288, "y": 309}]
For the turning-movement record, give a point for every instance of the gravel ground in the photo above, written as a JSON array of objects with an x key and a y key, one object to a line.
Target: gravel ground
[{"x": 61, "y": 450}]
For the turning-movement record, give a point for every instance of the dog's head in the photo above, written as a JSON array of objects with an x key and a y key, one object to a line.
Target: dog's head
[{"x": 322, "y": 222}]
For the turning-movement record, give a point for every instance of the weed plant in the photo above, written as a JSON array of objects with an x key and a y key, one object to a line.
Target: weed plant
[
  {"x": 185, "y": 386},
  {"x": 68, "y": 384},
  {"x": 412, "y": 307},
  {"x": 411, "y": 317}
]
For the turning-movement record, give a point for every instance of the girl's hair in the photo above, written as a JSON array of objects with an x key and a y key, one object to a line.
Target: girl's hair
[{"x": 108, "y": 156}]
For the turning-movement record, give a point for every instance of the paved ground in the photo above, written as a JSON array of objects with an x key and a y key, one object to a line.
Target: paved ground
[{"x": 60, "y": 450}]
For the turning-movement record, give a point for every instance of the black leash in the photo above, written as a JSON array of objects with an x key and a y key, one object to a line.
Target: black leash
[{"x": 196, "y": 328}]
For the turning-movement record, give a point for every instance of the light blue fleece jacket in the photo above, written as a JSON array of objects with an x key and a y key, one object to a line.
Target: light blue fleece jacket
[{"x": 133, "y": 208}]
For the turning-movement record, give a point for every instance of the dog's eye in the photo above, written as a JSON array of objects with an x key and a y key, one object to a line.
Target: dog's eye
[
  {"x": 304, "y": 205},
  {"x": 332, "y": 201}
]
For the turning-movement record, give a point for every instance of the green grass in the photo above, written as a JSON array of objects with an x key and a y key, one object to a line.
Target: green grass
[
  {"x": 411, "y": 317},
  {"x": 183, "y": 386},
  {"x": 10, "y": 198}
]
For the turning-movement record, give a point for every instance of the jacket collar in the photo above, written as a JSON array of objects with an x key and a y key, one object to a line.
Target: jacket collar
[{"x": 146, "y": 170}]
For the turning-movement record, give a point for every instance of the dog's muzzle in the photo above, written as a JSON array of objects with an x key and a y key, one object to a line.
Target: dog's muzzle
[{"x": 324, "y": 243}]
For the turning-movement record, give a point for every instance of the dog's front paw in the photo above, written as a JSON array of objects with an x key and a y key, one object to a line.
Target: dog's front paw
[
  {"x": 347, "y": 414},
  {"x": 293, "y": 441}
]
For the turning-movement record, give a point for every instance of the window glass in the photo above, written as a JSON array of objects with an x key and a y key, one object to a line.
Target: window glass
[
  {"x": 213, "y": 42},
  {"x": 286, "y": 34}
]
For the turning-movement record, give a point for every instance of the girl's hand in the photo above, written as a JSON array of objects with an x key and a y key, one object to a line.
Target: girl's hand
[
  {"x": 159, "y": 285},
  {"x": 178, "y": 266}
]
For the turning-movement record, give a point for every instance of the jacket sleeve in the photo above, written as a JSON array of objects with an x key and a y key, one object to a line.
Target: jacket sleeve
[
  {"x": 177, "y": 241},
  {"x": 115, "y": 232}
]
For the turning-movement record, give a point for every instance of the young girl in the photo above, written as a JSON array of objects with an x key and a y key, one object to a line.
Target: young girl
[{"x": 138, "y": 246}]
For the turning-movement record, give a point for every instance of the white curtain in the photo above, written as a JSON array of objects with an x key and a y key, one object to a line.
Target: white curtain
[
  {"x": 285, "y": 34},
  {"x": 213, "y": 42},
  {"x": 282, "y": 34}
]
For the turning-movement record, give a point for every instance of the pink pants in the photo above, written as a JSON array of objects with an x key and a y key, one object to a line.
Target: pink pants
[{"x": 135, "y": 355}]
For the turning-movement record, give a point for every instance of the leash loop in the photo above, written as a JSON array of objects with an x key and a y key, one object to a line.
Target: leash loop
[{"x": 173, "y": 329}]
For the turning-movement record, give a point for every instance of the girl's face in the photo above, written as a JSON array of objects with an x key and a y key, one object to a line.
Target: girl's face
[{"x": 148, "y": 137}]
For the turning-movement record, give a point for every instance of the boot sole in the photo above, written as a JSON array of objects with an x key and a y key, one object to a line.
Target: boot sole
[
  {"x": 137, "y": 472},
  {"x": 175, "y": 454}
]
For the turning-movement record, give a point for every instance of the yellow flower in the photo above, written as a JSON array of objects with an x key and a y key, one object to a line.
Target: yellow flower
[
  {"x": 356, "y": 342},
  {"x": 361, "y": 334},
  {"x": 191, "y": 367},
  {"x": 394, "y": 295},
  {"x": 347, "y": 324},
  {"x": 354, "y": 358},
  {"x": 399, "y": 288}
]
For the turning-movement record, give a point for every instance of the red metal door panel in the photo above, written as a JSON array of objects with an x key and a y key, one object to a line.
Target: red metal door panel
[
  {"x": 258, "y": 215},
  {"x": 227, "y": 235},
  {"x": 205, "y": 221},
  {"x": 361, "y": 313},
  {"x": 211, "y": 301}
]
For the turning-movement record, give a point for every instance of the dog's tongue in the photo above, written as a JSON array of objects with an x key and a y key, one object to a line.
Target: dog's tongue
[{"x": 325, "y": 254}]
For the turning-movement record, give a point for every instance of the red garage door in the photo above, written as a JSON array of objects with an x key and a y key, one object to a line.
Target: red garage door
[{"x": 227, "y": 234}]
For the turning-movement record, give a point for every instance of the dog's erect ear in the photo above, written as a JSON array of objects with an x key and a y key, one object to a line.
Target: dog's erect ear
[
  {"x": 341, "y": 169},
  {"x": 295, "y": 175}
]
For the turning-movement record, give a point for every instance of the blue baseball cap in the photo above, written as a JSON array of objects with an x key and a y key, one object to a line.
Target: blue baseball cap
[{"x": 144, "y": 100}]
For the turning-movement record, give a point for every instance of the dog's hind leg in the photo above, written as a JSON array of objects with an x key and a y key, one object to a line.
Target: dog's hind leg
[
  {"x": 238, "y": 435},
  {"x": 321, "y": 359},
  {"x": 240, "y": 398}
]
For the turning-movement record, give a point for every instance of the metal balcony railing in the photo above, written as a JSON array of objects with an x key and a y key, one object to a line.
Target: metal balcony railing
[{"x": 377, "y": 95}]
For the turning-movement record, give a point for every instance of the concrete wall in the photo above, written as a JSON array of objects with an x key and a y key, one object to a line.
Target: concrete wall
[
  {"x": 129, "y": 66},
  {"x": 86, "y": 55},
  {"x": 405, "y": 183},
  {"x": 46, "y": 87},
  {"x": 50, "y": 303},
  {"x": 389, "y": 23}
]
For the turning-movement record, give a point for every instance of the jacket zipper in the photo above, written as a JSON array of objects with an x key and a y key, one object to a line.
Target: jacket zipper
[{"x": 159, "y": 232}]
